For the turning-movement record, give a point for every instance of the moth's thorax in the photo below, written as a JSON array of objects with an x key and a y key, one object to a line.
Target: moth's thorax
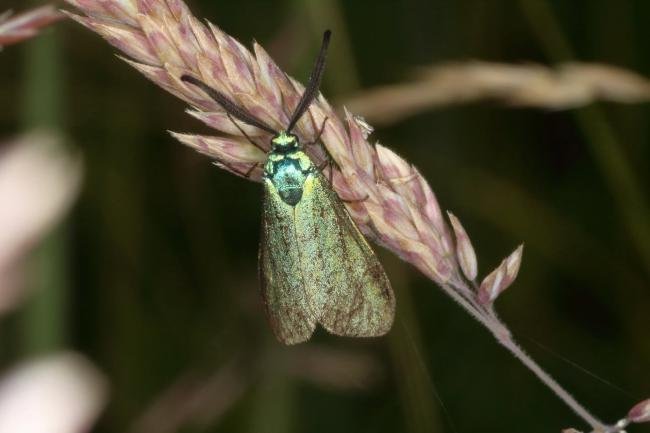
[{"x": 288, "y": 171}]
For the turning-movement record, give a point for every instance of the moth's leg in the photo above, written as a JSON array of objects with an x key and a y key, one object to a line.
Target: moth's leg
[
  {"x": 251, "y": 170},
  {"x": 332, "y": 163},
  {"x": 354, "y": 200},
  {"x": 230, "y": 167},
  {"x": 250, "y": 140},
  {"x": 329, "y": 160},
  {"x": 317, "y": 139},
  {"x": 320, "y": 132},
  {"x": 323, "y": 165}
]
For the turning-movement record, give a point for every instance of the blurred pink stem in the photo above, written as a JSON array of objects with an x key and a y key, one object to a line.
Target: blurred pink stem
[
  {"x": 16, "y": 28},
  {"x": 489, "y": 319}
]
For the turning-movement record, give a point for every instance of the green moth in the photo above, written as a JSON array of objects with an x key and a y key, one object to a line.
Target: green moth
[{"x": 315, "y": 265}]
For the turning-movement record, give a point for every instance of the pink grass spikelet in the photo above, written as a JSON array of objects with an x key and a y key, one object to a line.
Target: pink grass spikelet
[
  {"x": 565, "y": 86},
  {"x": 501, "y": 278},
  {"x": 163, "y": 41},
  {"x": 464, "y": 249},
  {"x": 16, "y": 28},
  {"x": 640, "y": 413}
]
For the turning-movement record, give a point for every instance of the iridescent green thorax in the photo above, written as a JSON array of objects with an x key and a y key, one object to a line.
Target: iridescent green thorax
[{"x": 287, "y": 167}]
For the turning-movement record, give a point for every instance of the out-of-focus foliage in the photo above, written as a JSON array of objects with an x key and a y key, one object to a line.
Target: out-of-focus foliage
[
  {"x": 162, "y": 247},
  {"x": 17, "y": 28}
]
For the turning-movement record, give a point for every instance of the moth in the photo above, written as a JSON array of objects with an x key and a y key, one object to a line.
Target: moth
[{"x": 315, "y": 265}]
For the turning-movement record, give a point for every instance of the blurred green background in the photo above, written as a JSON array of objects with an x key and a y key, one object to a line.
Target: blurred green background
[{"x": 154, "y": 274}]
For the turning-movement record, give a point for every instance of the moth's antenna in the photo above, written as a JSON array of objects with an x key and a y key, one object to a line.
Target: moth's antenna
[
  {"x": 314, "y": 82},
  {"x": 228, "y": 105}
]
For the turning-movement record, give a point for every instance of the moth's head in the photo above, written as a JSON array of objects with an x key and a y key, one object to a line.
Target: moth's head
[{"x": 284, "y": 142}]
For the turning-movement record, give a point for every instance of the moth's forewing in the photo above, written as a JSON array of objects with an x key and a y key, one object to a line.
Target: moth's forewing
[
  {"x": 281, "y": 274},
  {"x": 344, "y": 280}
]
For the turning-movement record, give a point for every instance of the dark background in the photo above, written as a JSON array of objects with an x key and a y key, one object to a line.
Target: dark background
[{"x": 154, "y": 274}]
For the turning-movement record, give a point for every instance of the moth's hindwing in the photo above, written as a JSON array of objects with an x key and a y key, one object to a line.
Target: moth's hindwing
[{"x": 317, "y": 267}]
